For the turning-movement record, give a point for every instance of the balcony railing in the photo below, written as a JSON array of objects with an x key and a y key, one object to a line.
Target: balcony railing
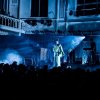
[
  {"x": 27, "y": 26},
  {"x": 13, "y": 23}
]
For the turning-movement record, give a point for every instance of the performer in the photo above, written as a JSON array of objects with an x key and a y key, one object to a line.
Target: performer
[{"x": 58, "y": 53}]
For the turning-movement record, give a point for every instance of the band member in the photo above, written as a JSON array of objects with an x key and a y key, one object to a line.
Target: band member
[
  {"x": 93, "y": 51},
  {"x": 58, "y": 53}
]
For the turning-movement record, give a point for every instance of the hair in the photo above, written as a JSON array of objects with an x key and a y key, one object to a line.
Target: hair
[{"x": 57, "y": 39}]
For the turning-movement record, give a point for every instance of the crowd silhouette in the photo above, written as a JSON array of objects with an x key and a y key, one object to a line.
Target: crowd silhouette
[
  {"x": 25, "y": 79},
  {"x": 59, "y": 75}
]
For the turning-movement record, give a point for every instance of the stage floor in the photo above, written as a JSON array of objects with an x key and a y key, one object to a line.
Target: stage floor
[{"x": 86, "y": 67}]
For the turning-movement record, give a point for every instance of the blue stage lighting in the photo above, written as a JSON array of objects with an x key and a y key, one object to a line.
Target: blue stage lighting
[
  {"x": 10, "y": 56},
  {"x": 13, "y": 57}
]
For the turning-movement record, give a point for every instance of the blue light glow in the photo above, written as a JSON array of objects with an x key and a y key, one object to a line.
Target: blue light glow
[{"x": 11, "y": 56}]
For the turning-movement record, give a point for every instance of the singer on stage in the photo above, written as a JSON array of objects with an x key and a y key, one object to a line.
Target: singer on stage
[{"x": 58, "y": 53}]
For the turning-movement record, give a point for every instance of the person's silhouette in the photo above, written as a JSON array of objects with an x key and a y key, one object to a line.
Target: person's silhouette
[
  {"x": 93, "y": 51},
  {"x": 58, "y": 53}
]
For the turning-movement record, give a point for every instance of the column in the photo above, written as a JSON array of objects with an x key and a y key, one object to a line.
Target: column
[
  {"x": 39, "y": 8},
  {"x": 4, "y": 6},
  {"x": 56, "y": 14},
  {"x": 58, "y": 4},
  {"x": 7, "y": 7},
  {"x": 18, "y": 13}
]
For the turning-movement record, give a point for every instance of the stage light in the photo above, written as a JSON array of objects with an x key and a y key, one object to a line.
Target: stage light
[
  {"x": 77, "y": 41},
  {"x": 72, "y": 42}
]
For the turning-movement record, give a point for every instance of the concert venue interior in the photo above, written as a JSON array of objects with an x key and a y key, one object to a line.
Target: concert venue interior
[{"x": 29, "y": 29}]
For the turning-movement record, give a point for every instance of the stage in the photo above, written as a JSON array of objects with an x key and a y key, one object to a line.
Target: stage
[{"x": 35, "y": 49}]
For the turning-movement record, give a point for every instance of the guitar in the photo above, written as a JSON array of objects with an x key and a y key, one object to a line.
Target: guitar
[{"x": 58, "y": 51}]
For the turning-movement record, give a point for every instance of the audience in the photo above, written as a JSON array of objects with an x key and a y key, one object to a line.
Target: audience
[
  {"x": 56, "y": 75},
  {"x": 26, "y": 79}
]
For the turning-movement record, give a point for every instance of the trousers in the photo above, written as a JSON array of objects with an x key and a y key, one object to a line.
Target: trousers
[{"x": 57, "y": 60}]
